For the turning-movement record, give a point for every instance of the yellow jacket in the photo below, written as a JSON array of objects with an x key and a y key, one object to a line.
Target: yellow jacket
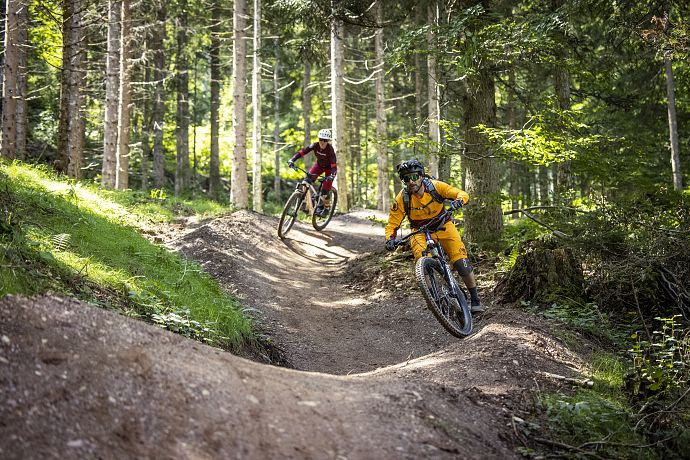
[{"x": 422, "y": 209}]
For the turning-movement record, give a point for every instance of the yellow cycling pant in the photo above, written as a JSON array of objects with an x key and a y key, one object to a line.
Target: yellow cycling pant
[{"x": 449, "y": 239}]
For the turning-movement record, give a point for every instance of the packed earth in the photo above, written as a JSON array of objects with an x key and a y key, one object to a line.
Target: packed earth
[{"x": 352, "y": 364}]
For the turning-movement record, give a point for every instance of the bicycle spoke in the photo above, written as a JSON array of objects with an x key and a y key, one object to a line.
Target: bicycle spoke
[{"x": 441, "y": 297}]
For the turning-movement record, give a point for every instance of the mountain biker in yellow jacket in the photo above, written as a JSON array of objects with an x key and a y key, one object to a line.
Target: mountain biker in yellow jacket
[{"x": 423, "y": 202}]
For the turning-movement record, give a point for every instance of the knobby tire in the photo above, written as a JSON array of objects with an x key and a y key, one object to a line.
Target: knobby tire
[
  {"x": 320, "y": 222},
  {"x": 453, "y": 314},
  {"x": 290, "y": 212}
]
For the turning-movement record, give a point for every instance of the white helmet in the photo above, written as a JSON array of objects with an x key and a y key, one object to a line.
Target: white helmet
[{"x": 324, "y": 134}]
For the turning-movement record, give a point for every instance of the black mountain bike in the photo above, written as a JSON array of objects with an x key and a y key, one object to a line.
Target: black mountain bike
[
  {"x": 444, "y": 297},
  {"x": 306, "y": 198}
]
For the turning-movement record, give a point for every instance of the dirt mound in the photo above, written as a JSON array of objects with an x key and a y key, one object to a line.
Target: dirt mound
[{"x": 382, "y": 379}]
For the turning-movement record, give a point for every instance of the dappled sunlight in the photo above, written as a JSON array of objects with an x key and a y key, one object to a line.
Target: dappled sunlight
[
  {"x": 314, "y": 253},
  {"x": 342, "y": 303},
  {"x": 268, "y": 276},
  {"x": 80, "y": 196},
  {"x": 499, "y": 372},
  {"x": 358, "y": 229},
  {"x": 423, "y": 362}
]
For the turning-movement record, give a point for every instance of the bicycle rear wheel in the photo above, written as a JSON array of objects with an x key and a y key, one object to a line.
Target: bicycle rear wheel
[
  {"x": 453, "y": 313},
  {"x": 320, "y": 222},
  {"x": 289, "y": 215}
]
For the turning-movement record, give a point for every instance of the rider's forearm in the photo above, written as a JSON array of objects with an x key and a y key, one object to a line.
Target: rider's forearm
[
  {"x": 297, "y": 155},
  {"x": 394, "y": 222},
  {"x": 452, "y": 193}
]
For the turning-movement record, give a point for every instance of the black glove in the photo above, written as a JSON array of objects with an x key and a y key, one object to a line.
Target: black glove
[
  {"x": 455, "y": 205},
  {"x": 390, "y": 244},
  {"x": 291, "y": 164}
]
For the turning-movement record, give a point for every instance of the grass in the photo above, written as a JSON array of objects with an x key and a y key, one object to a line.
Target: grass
[
  {"x": 607, "y": 420},
  {"x": 78, "y": 240},
  {"x": 592, "y": 422}
]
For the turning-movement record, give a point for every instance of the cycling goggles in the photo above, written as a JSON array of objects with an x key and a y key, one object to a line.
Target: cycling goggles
[{"x": 410, "y": 177}]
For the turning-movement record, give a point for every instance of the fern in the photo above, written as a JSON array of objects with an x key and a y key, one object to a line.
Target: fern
[{"x": 61, "y": 241}]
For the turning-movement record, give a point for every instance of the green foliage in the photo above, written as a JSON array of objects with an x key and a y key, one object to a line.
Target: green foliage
[
  {"x": 553, "y": 136},
  {"x": 662, "y": 362},
  {"x": 636, "y": 248},
  {"x": 515, "y": 232},
  {"x": 603, "y": 420},
  {"x": 592, "y": 422},
  {"x": 585, "y": 318},
  {"x": 75, "y": 239}
]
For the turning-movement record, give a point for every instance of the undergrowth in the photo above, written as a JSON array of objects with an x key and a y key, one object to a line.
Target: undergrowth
[
  {"x": 636, "y": 408},
  {"x": 75, "y": 239}
]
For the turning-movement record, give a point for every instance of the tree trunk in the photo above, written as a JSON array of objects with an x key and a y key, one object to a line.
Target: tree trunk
[
  {"x": 564, "y": 179},
  {"x": 512, "y": 124},
  {"x": 673, "y": 127},
  {"x": 62, "y": 161},
  {"x": 256, "y": 112},
  {"x": 112, "y": 84},
  {"x": 159, "y": 99},
  {"x": 544, "y": 185},
  {"x": 214, "y": 184},
  {"x": 383, "y": 189},
  {"x": 182, "y": 114},
  {"x": 357, "y": 154},
  {"x": 146, "y": 129},
  {"x": 3, "y": 4},
  {"x": 418, "y": 122},
  {"x": 10, "y": 78},
  {"x": 366, "y": 155},
  {"x": 306, "y": 108},
  {"x": 23, "y": 18},
  {"x": 541, "y": 270},
  {"x": 276, "y": 125},
  {"x": 239, "y": 183},
  {"x": 77, "y": 94},
  {"x": 124, "y": 109},
  {"x": 338, "y": 108},
  {"x": 432, "y": 85},
  {"x": 483, "y": 222},
  {"x": 444, "y": 159}
]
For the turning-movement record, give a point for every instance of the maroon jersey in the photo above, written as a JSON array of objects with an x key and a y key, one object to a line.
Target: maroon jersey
[{"x": 324, "y": 158}]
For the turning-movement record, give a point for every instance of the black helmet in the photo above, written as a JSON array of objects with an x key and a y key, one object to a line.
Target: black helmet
[{"x": 409, "y": 166}]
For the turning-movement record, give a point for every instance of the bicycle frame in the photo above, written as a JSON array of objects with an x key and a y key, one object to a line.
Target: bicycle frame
[
  {"x": 435, "y": 250},
  {"x": 309, "y": 190}
]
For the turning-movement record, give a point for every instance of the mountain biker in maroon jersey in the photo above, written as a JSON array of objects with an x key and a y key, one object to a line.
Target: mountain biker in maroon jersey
[
  {"x": 325, "y": 162},
  {"x": 421, "y": 200}
]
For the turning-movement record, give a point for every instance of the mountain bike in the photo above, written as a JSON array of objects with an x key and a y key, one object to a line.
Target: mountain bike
[
  {"x": 444, "y": 296},
  {"x": 306, "y": 198}
]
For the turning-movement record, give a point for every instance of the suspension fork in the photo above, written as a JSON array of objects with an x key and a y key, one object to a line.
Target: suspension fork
[{"x": 440, "y": 255}]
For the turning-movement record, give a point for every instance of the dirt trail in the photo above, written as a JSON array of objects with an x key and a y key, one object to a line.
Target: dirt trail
[{"x": 383, "y": 379}]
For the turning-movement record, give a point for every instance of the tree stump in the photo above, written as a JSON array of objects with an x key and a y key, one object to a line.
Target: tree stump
[{"x": 543, "y": 272}]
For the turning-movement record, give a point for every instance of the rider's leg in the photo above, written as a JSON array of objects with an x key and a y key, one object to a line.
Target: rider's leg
[
  {"x": 457, "y": 254},
  {"x": 418, "y": 245},
  {"x": 326, "y": 189},
  {"x": 314, "y": 172},
  {"x": 465, "y": 270}
]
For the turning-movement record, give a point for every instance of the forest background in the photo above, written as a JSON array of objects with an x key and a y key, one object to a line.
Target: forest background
[{"x": 575, "y": 109}]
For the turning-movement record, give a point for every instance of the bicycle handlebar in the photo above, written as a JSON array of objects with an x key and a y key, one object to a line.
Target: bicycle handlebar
[
  {"x": 297, "y": 168},
  {"x": 432, "y": 223}
]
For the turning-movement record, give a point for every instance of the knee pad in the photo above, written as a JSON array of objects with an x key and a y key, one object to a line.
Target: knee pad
[{"x": 463, "y": 267}]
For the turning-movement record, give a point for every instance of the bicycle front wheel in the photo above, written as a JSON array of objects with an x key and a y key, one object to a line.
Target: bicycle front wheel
[
  {"x": 320, "y": 222},
  {"x": 452, "y": 312},
  {"x": 289, "y": 215}
]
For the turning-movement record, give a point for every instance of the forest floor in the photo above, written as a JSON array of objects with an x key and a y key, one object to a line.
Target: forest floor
[{"x": 365, "y": 370}]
